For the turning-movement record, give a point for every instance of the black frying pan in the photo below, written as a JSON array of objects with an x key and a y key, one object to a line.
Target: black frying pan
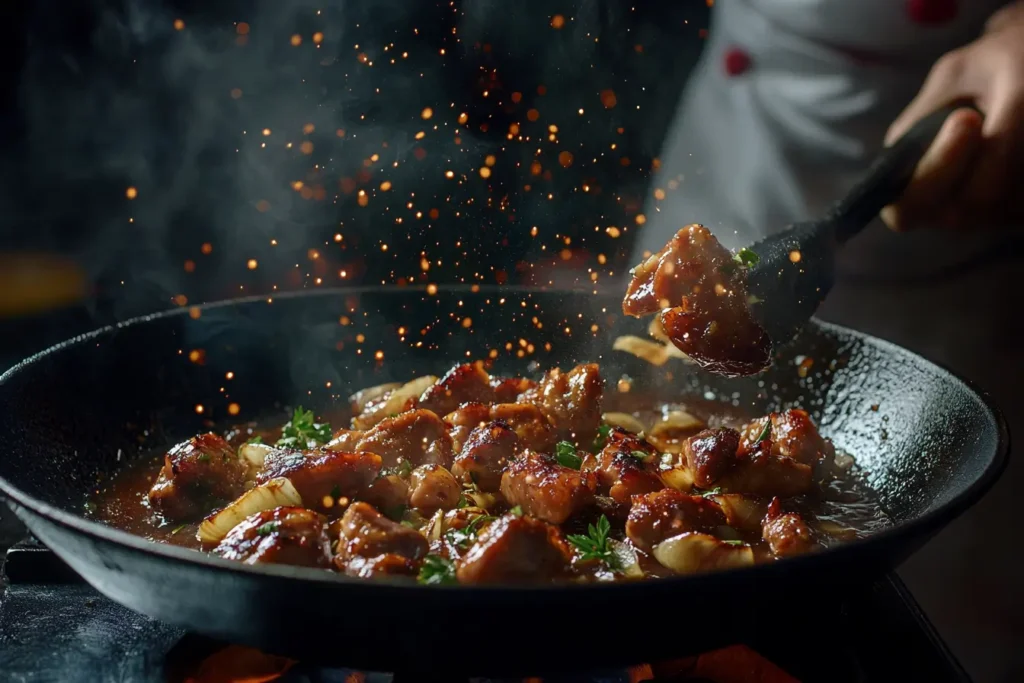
[{"x": 72, "y": 416}]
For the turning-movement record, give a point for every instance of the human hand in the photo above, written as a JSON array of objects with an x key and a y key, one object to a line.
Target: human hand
[{"x": 973, "y": 173}]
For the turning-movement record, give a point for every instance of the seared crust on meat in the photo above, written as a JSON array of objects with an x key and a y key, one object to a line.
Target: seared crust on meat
[
  {"x": 367, "y": 533},
  {"x": 570, "y": 400},
  {"x": 466, "y": 383},
  {"x": 197, "y": 474},
  {"x": 546, "y": 490},
  {"x": 284, "y": 535},
  {"x": 663, "y": 514},
  {"x": 487, "y": 452},
  {"x": 516, "y": 550},
  {"x": 318, "y": 476},
  {"x": 625, "y": 467},
  {"x": 710, "y": 453},
  {"x": 433, "y": 488},
  {"x": 787, "y": 533},
  {"x": 418, "y": 437}
]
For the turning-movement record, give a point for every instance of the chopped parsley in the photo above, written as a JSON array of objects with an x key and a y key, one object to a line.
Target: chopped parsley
[
  {"x": 177, "y": 529},
  {"x": 766, "y": 431},
  {"x": 640, "y": 455},
  {"x": 733, "y": 542},
  {"x": 463, "y": 503},
  {"x": 203, "y": 457},
  {"x": 464, "y": 537},
  {"x": 268, "y": 528},
  {"x": 517, "y": 511},
  {"x": 436, "y": 571},
  {"x": 404, "y": 468},
  {"x": 595, "y": 545},
  {"x": 746, "y": 258},
  {"x": 602, "y": 437},
  {"x": 565, "y": 454},
  {"x": 255, "y": 439},
  {"x": 303, "y": 432},
  {"x": 712, "y": 492},
  {"x": 407, "y": 523}
]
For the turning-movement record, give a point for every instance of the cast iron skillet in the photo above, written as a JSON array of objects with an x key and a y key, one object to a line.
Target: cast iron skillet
[{"x": 73, "y": 415}]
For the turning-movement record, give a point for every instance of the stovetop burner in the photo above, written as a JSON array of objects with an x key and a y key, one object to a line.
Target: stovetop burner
[{"x": 53, "y": 627}]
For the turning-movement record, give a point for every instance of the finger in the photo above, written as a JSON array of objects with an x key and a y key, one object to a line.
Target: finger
[
  {"x": 989, "y": 184},
  {"x": 941, "y": 170},
  {"x": 943, "y": 86}
]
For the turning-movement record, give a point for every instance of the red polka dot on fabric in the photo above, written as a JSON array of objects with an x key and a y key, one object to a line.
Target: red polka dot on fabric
[
  {"x": 932, "y": 12},
  {"x": 736, "y": 61}
]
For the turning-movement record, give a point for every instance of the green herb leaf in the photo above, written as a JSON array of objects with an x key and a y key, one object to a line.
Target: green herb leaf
[
  {"x": 268, "y": 528},
  {"x": 746, "y": 258},
  {"x": 203, "y": 457},
  {"x": 640, "y": 455},
  {"x": 603, "y": 433},
  {"x": 766, "y": 431},
  {"x": 595, "y": 545},
  {"x": 404, "y": 468},
  {"x": 303, "y": 432},
  {"x": 255, "y": 439},
  {"x": 733, "y": 542},
  {"x": 517, "y": 511},
  {"x": 407, "y": 523},
  {"x": 463, "y": 503},
  {"x": 464, "y": 537},
  {"x": 437, "y": 570},
  {"x": 565, "y": 454},
  {"x": 712, "y": 492},
  {"x": 177, "y": 529}
]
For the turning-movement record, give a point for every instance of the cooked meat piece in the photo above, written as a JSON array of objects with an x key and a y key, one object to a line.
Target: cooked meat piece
[
  {"x": 667, "y": 513},
  {"x": 762, "y": 473},
  {"x": 389, "y": 493},
  {"x": 465, "y": 419},
  {"x": 284, "y": 535},
  {"x": 624, "y": 467},
  {"x": 792, "y": 435},
  {"x": 700, "y": 292},
  {"x": 571, "y": 401},
  {"x": 710, "y": 454},
  {"x": 367, "y": 533},
  {"x": 516, "y": 550},
  {"x": 467, "y": 383},
  {"x": 545, "y": 489},
  {"x": 322, "y": 476},
  {"x": 344, "y": 440},
  {"x": 786, "y": 532},
  {"x": 432, "y": 488},
  {"x": 487, "y": 452},
  {"x": 418, "y": 436},
  {"x": 530, "y": 424},
  {"x": 508, "y": 390},
  {"x": 198, "y": 474},
  {"x": 382, "y": 565}
]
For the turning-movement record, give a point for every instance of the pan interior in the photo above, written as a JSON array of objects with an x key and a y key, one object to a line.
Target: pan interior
[{"x": 75, "y": 415}]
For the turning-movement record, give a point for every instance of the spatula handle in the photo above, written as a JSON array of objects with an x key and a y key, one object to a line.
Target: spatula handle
[{"x": 889, "y": 175}]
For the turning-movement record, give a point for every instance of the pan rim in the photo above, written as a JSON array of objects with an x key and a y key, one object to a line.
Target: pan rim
[{"x": 934, "y": 519}]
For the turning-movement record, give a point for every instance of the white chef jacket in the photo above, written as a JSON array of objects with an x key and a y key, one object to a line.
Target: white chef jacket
[{"x": 787, "y": 107}]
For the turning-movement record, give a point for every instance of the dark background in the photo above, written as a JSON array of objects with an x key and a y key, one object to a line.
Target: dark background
[{"x": 172, "y": 99}]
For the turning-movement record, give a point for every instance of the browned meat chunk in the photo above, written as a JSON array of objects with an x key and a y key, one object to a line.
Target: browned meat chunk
[
  {"x": 467, "y": 383},
  {"x": 571, "y": 401},
  {"x": 367, "y": 533},
  {"x": 529, "y": 423},
  {"x": 516, "y": 550},
  {"x": 284, "y": 535},
  {"x": 382, "y": 565},
  {"x": 322, "y": 478},
  {"x": 418, "y": 437},
  {"x": 710, "y": 454},
  {"x": 625, "y": 467},
  {"x": 545, "y": 489},
  {"x": 487, "y": 452},
  {"x": 762, "y": 473},
  {"x": 198, "y": 474},
  {"x": 389, "y": 493},
  {"x": 433, "y": 488},
  {"x": 464, "y": 420},
  {"x": 667, "y": 513},
  {"x": 786, "y": 532},
  {"x": 701, "y": 294},
  {"x": 344, "y": 440},
  {"x": 508, "y": 390},
  {"x": 792, "y": 435}
]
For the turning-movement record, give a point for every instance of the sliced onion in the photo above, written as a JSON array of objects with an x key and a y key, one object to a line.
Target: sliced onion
[
  {"x": 275, "y": 493},
  {"x": 742, "y": 512},
  {"x": 644, "y": 349},
  {"x": 670, "y": 433},
  {"x": 692, "y": 553},
  {"x": 359, "y": 399},
  {"x": 679, "y": 478},
  {"x": 623, "y": 421},
  {"x": 396, "y": 401},
  {"x": 254, "y": 454}
]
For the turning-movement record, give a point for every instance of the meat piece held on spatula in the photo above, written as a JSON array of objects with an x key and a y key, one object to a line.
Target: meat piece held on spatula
[{"x": 699, "y": 290}]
